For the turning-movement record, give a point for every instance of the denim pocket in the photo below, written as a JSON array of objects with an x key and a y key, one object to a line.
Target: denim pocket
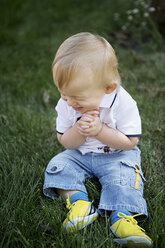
[
  {"x": 53, "y": 168},
  {"x": 132, "y": 172}
]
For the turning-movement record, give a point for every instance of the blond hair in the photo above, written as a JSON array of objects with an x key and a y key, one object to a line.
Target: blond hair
[{"x": 85, "y": 50}]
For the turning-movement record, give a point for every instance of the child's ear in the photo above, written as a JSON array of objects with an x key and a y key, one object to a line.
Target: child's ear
[{"x": 111, "y": 87}]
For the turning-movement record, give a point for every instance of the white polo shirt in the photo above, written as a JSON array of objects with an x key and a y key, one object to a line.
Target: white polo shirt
[{"x": 117, "y": 110}]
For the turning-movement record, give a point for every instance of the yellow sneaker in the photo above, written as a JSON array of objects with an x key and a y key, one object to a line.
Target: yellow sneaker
[
  {"x": 81, "y": 213},
  {"x": 128, "y": 233}
]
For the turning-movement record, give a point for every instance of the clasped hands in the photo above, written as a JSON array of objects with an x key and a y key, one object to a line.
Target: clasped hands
[{"x": 90, "y": 124}]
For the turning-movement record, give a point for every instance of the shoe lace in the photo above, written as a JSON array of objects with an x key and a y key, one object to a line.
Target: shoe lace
[
  {"x": 130, "y": 218},
  {"x": 68, "y": 204},
  {"x": 69, "y": 207}
]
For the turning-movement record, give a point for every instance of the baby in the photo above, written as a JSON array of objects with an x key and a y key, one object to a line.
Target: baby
[{"x": 98, "y": 123}]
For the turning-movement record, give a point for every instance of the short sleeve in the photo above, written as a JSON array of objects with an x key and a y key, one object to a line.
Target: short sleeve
[
  {"x": 63, "y": 122},
  {"x": 128, "y": 120}
]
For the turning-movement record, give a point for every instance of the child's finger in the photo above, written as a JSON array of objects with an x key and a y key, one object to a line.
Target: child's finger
[
  {"x": 92, "y": 113},
  {"x": 82, "y": 124},
  {"x": 83, "y": 127},
  {"x": 86, "y": 118}
]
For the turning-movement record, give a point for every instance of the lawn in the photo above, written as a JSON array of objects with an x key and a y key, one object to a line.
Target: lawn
[{"x": 30, "y": 33}]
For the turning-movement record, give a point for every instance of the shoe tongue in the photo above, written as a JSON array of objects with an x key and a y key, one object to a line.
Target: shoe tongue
[{"x": 115, "y": 217}]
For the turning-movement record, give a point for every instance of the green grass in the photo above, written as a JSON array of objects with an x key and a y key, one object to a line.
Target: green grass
[{"x": 31, "y": 31}]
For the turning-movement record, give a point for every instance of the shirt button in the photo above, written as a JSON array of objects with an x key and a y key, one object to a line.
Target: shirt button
[{"x": 54, "y": 168}]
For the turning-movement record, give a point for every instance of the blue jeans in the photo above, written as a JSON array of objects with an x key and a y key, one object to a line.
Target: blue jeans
[{"x": 119, "y": 174}]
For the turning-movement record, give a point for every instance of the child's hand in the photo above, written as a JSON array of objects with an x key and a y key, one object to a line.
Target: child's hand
[
  {"x": 90, "y": 124},
  {"x": 93, "y": 112},
  {"x": 87, "y": 118}
]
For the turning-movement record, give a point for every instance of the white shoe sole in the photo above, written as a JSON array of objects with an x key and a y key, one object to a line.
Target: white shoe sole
[
  {"x": 80, "y": 222},
  {"x": 134, "y": 242}
]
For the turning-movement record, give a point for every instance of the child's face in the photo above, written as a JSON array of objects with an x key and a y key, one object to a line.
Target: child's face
[{"x": 83, "y": 93}]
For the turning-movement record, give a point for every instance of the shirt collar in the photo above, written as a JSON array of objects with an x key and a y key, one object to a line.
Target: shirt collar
[{"x": 108, "y": 100}]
